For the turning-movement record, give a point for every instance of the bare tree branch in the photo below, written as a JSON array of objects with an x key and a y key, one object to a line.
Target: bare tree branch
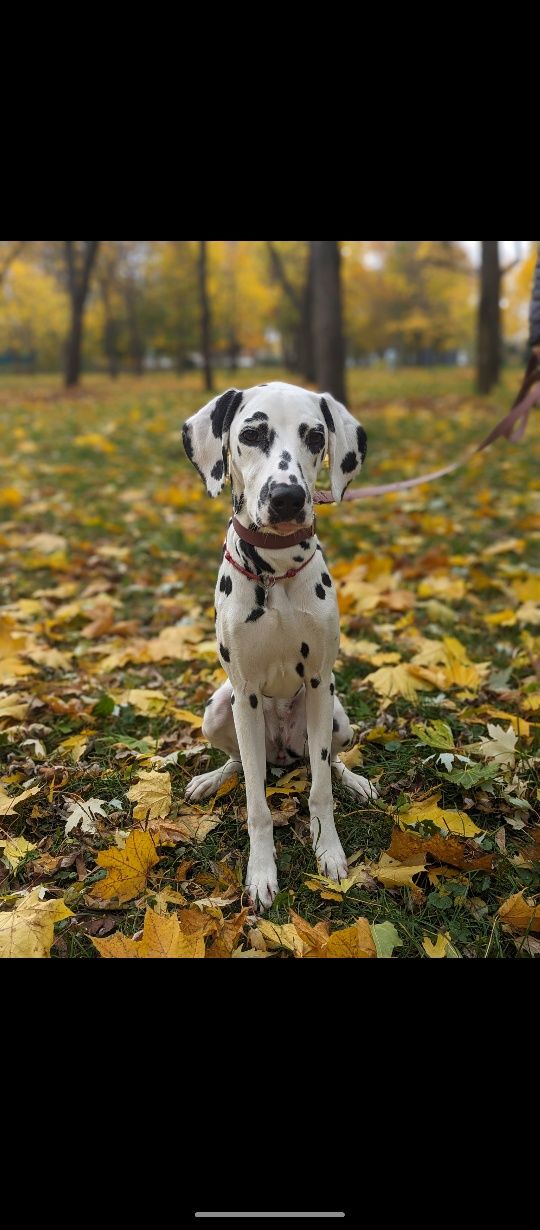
[{"x": 279, "y": 273}]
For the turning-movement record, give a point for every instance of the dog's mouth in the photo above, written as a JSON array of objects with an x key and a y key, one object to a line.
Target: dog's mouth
[{"x": 282, "y": 528}]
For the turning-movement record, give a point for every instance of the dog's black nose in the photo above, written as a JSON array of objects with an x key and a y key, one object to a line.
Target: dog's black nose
[{"x": 287, "y": 500}]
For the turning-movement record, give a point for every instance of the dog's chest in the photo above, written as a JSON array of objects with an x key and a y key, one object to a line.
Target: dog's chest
[{"x": 280, "y": 636}]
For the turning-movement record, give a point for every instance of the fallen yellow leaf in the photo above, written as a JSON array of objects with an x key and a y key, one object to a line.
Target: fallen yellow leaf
[
  {"x": 127, "y": 869},
  {"x": 8, "y": 803},
  {"x": 519, "y": 913},
  {"x": 28, "y": 930},
  {"x": 445, "y": 819},
  {"x": 162, "y": 937},
  {"x": 152, "y": 793}
]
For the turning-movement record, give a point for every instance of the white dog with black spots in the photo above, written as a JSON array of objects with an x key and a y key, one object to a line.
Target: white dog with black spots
[{"x": 277, "y": 621}]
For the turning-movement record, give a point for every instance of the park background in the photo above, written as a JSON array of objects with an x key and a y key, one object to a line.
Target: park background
[{"x": 110, "y": 548}]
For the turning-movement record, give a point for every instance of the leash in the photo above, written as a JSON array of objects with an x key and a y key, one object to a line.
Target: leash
[
  {"x": 512, "y": 426},
  {"x": 269, "y": 578}
]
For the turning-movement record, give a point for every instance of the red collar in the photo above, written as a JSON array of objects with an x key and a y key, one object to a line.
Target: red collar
[
  {"x": 273, "y": 542},
  {"x": 269, "y": 578}
]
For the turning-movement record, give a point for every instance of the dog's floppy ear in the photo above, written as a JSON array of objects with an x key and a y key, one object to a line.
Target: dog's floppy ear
[
  {"x": 206, "y": 438},
  {"x": 347, "y": 444}
]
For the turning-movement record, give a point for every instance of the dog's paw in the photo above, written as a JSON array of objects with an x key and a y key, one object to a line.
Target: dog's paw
[
  {"x": 203, "y": 786},
  {"x": 261, "y": 884},
  {"x": 332, "y": 862},
  {"x": 359, "y": 786}
]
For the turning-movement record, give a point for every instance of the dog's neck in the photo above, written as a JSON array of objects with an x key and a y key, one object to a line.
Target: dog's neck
[{"x": 261, "y": 560}]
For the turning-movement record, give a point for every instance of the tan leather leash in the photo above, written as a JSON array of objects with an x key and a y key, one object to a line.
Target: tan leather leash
[{"x": 512, "y": 426}]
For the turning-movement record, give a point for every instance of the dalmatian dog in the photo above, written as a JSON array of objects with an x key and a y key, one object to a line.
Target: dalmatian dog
[{"x": 277, "y": 622}]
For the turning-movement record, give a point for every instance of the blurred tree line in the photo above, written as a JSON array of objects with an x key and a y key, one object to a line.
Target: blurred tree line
[{"x": 123, "y": 305}]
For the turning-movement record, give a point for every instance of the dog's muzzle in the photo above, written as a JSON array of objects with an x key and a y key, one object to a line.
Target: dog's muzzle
[{"x": 286, "y": 502}]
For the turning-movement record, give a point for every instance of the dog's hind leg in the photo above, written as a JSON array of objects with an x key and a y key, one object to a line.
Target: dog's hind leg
[{"x": 218, "y": 727}]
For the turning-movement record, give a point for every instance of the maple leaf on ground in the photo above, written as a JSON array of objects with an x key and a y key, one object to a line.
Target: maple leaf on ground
[
  {"x": 28, "y": 930},
  {"x": 8, "y": 803},
  {"x": 83, "y": 812},
  {"x": 500, "y": 746},
  {"x": 519, "y": 913},
  {"x": 394, "y": 874},
  {"x": 385, "y": 938},
  {"x": 152, "y": 794},
  {"x": 446, "y": 819},
  {"x": 356, "y": 941},
  {"x": 442, "y": 947},
  {"x": 456, "y": 851},
  {"x": 399, "y": 680},
  {"x": 192, "y": 827},
  {"x": 162, "y": 938},
  {"x": 15, "y": 850},
  {"x": 127, "y": 870}
]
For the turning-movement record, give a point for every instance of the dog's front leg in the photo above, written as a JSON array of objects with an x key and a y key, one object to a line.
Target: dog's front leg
[
  {"x": 261, "y": 879},
  {"x": 326, "y": 843}
]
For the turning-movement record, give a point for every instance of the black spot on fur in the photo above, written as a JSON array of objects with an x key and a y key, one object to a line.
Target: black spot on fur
[
  {"x": 350, "y": 462},
  {"x": 283, "y": 465},
  {"x": 335, "y": 725},
  {"x": 254, "y": 614},
  {"x": 259, "y": 414},
  {"x": 238, "y": 503},
  {"x": 253, "y": 557},
  {"x": 302, "y": 430},
  {"x": 293, "y": 478},
  {"x": 186, "y": 437},
  {"x": 260, "y": 595},
  {"x": 362, "y": 441},
  {"x": 326, "y": 580},
  {"x": 224, "y": 410},
  {"x": 265, "y": 492},
  {"x": 225, "y": 585},
  {"x": 313, "y": 440},
  {"x": 320, "y": 592},
  {"x": 298, "y": 559},
  {"x": 209, "y": 702},
  {"x": 263, "y": 386},
  {"x": 332, "y": 689},
  {"x": 324, "y": 753},
  {"x": 188, "y": 446},
  {"x": 224, "y": 653},
  {"x": 238, "y": 450},
  {"x": 232, "y": 698},
  {"x": 300, "y": 669},
  {"x": 253, "y": 701},
  {"x": 305, "y": 544},
  {"x": 315, "y": 683},
  {"x": 327, "y": 415},
  {"x": 304, "y": 649}
]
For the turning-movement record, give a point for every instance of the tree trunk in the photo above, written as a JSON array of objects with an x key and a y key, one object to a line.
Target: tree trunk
[
  {"x": 327, "y": 317},
  {"x": 205, "y": 317},
  {"x": 73, "y": 353},
  {"x": 78, "y": 285},
  {"x": 489, "y": 318},
  {"x": 136, "y": 344}
]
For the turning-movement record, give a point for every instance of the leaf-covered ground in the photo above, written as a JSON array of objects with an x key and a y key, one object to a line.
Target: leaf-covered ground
[{"x": 109, "y": 551}]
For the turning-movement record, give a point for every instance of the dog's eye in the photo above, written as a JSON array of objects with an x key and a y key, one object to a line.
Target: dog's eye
[
  {"x": 315, "y": 441},
  {"x": 250, "y": 435}
]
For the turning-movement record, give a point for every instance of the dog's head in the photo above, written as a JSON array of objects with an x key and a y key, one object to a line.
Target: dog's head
[{"x": 276, "y": 436}]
